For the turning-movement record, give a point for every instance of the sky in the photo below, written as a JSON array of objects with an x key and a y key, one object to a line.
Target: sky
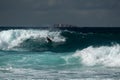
[{"x": 90, "y": 13}]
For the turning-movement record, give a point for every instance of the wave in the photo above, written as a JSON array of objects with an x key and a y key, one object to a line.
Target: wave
[
  {"x": 62, "y": 40},
  {"x": 104, "y": 56},
  {"x": 108, "y": 56},
  {"x": 12, "y": 39}
]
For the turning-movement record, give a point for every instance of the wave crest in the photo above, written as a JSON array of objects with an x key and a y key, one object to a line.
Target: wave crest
[{"x": 108, "y": 56}]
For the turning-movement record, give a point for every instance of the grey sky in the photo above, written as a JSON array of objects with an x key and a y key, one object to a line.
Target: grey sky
[{"x": 76, "y": 12}]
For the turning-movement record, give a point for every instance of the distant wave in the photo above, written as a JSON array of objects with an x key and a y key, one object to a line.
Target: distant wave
[{"x": 69, "y": 28}]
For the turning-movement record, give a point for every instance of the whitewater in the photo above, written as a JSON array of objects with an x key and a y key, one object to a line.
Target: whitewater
[{"x": 26, "y": 54}]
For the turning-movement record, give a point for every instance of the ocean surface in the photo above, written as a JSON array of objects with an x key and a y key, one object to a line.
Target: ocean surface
[{"x": 72, "y": 54}]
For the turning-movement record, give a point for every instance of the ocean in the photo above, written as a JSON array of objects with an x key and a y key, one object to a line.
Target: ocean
[{"x": 72, "y": 53}]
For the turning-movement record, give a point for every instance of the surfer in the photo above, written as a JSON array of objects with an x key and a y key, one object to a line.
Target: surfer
[{"x": 49, "y": 40}]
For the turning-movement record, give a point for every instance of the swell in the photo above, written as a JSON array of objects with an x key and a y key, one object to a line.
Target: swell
[{"x": 62, "y": 40}]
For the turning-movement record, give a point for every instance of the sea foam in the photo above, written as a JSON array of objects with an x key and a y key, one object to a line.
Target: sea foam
[{"x": 108, "y": 56}]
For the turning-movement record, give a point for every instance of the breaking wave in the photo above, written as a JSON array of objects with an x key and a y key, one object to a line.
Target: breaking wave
[
  {"x": 11, "y": 39},
  {"x": 108, "y": 56},
  {"x": 62, "y": 40},
  {"x": 26, "y": 53},
  {"x": 86, "y": 49}
]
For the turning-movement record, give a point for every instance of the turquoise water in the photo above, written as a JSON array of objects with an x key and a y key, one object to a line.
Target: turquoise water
[
  {"x": 27, "y": 55},
  {"x": 52, "y": 66}
]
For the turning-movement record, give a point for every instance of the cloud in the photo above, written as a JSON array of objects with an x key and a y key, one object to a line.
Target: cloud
[
  {"x": 81, "y": 12},
  {"x": 52, "y": 2},
  {"x": 42, "y": 5}
]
